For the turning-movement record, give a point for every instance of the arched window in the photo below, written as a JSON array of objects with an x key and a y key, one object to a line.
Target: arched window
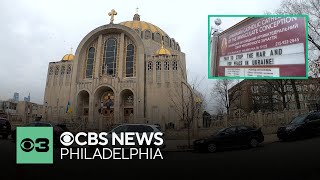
[
  {"x": 173, "y": 43},
  {"x": 150, "y": 66},
  {"x": 158, "y": 72},
  {"x": 50, "y": 70},
  {"x": 158, "y": 65},
  {"x": 150, "y": 71},
  {"x": 166, "y": 71},
  {"x": 69, "y": 69},
  {"x": 157, "y": 37},
  {"x": 166, "y": 40},
  {"x": 178, "y": 47},
  {"x": 56, "y": 71},
  {"x": 174, "y": 65},
  {"x": 130, "y": 61},
  {"x": 147, "y": 34},
  {"x": 63, "y": 69},
  {"x": 174, "y": 71},
  {"x": 90, "y": 60},
  {"x": 110, "y": 57},
  {"x": 166, "y": 65}
]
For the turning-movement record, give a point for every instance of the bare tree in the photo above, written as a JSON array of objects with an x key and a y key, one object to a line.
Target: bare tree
[
  {"x": 280, "y": 86},
  {"x": 220, "y": 93},
  {"x": 187, "y": 102},
  {"x": 312, "y": 9},
  {"x": 295, "y": 93}
]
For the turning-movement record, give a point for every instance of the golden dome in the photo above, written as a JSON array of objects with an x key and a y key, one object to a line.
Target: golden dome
[
  {"x": 163, "y": 51},
  {"x": 142, "y": 26},
  {"x": 68, "y": 57}
]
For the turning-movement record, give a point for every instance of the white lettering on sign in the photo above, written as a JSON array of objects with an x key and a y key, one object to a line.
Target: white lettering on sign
[{"x": 284, "y": 55}]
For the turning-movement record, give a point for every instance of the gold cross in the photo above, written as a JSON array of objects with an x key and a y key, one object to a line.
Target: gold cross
[{"x": 112, "y": 14}]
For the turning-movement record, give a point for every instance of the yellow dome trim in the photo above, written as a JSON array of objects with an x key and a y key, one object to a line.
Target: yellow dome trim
[
  {"x": 142, "y": 25},
  {"x": 136, "y": 25},
  {"x": 152, "y": 28},
  {"x": 68, "y": 57},
  {"x": 128, "y": 23}
]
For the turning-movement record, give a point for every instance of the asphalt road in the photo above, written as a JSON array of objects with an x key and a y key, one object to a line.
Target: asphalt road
[{"x": 279, "y": 160}]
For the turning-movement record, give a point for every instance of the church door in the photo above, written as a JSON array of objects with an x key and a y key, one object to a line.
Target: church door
[
  {"x": 127, "y": 106},
  {"x": 128, "y": 115},
  {"x": 107, "y": 107}
]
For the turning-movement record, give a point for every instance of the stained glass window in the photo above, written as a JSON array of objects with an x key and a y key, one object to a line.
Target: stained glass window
[
  {"x": 110, "y": 57},
  {"x": 130, "y": 61},
  {"x": 90, "y": 60}
]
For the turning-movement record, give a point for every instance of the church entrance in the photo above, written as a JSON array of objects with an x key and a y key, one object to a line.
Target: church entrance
[
  {"x": 83, "y": 106},
  {"x": 107, "y": 104},
  {"x": 128, "y": 112},
  {"x": 127, "y": 106},
  {"x": 104, "y": 110}
]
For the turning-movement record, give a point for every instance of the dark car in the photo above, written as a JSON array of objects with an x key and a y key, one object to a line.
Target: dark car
[
  {"x": 58, "y": 129},
  {"x": 234, "y": 136},
  {"x": 5, "y": 128},
  {"x": 304, "y": 125}
]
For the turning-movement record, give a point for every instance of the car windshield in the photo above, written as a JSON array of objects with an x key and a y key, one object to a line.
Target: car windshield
[{"x": 299, "y": 119}]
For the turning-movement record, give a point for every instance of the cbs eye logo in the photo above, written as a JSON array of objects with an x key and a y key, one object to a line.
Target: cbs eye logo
[
  {"x": 66, "y": 138},
  {"x": 40, "y": 145}
]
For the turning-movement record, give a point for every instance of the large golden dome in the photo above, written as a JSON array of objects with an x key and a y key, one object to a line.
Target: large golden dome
[
  {"x": 68, "y": 57},
  {"x": 142, "y": 26}
]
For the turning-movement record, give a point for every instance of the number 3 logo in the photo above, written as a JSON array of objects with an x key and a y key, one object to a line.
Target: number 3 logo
[
  {"x": 40, "y": 145},
  {"x": 43, "y": 145}
]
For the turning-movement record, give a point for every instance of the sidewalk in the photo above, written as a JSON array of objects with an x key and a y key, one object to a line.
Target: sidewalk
[{"x": 182, "y": 145}]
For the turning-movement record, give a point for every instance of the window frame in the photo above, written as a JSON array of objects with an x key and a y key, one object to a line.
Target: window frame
[{"x": 114, "y": 51}]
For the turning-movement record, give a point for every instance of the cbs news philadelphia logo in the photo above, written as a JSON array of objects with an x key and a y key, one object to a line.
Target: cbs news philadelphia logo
[{"x": 34, "y": 145}]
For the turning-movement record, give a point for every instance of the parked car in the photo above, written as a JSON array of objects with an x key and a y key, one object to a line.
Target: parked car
[
  {"x": 58, "y": 129},
  {"x": 304, "y": 125},
  {"x": 140, "y": 128},
  {"x": 5, "y": 128},
  {"x": 234, "y": 136}
]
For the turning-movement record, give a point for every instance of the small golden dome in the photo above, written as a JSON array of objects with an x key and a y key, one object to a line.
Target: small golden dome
[
  {"x": 68, "y": 57},
  {"x": 163, "y": 51}
]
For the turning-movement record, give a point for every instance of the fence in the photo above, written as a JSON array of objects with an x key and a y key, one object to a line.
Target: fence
[{"x": 269, "y": 123}]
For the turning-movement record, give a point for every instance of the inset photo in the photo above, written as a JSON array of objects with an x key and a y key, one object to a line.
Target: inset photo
[{"x": 257, "y": 46}]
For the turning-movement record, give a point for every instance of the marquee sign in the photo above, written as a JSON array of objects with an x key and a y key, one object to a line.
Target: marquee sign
[{"x": 262, "y": 47}]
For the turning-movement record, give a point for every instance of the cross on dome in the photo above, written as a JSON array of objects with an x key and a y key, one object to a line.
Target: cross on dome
[{"x": 112, "y": 13}]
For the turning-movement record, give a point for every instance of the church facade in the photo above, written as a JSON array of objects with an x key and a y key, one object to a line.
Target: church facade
[{"x": 120, "y": 73}]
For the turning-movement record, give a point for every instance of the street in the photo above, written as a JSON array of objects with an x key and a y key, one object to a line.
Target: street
[{"x": 297, "y": 159}]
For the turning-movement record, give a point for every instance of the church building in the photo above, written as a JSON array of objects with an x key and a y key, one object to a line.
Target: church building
[{"x": 120, "y": 73}]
